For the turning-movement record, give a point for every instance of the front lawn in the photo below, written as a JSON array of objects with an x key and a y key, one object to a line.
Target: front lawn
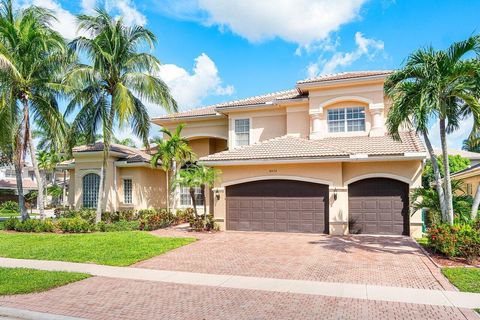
[
  {"x": 19, "y": 280},
  {"x": 112, "y": 248},
  {"x": 465, "y": 279}
]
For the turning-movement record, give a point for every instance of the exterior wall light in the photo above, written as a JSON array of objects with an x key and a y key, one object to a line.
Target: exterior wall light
[{"x": 335, "y": 194}]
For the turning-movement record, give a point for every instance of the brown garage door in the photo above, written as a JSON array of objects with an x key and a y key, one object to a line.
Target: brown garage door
[
  {"x": 378, "y": 206},
  {"x": 277, "y": 205}
]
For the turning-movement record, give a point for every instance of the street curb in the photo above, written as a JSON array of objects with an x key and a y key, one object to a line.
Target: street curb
[{"x": 33, "y": 315}]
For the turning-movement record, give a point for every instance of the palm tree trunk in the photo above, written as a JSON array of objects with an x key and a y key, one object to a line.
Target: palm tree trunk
[
  {"x": 21, "y": 197},
  {"x": 191, "y": 190},
  {"x": 204, "y": 198},
  {"x": 33, "y": 155},
  {"x": 167, "y": 187},
  {"x": 101, "y": 188},
  {"x": 64, "y": 189},
  {"x": 447, "y": 180},
  {"x": 476, "y": 203},
  {"x": 438, "y": 177}
]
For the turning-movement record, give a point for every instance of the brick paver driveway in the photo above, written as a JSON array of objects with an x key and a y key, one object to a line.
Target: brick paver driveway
[{"x": 390, "y": 261}]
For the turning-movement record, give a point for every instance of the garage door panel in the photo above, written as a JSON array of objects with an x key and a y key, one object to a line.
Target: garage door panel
[
  {"x": 378, "y": 206},
  {"x": 298, "y": 213}
]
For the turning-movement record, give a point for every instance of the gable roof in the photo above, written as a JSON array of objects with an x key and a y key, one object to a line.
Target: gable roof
[
  {"x": 129, "y": 154},
  {"x": 468, "y": 170},
  {"x": 295, "y": 148},
  {"x": 462, "y": 153}
]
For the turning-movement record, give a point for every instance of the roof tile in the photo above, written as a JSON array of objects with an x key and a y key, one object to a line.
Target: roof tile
[{"x": 345, "y": 75}]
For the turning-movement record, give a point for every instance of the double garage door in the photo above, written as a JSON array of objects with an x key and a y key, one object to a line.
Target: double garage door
[
  {"x": 277, "y": 205},
  {"x": 376, "y": 206}
]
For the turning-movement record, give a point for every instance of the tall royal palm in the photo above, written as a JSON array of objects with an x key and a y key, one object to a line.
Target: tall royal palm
[
  {"x": 449, "y": 85},
  {"x": 32, "y": 58},
  {"x": 112, "y": 89}
]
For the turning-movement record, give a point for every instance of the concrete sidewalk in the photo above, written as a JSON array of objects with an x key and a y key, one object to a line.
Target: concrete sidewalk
[{"x": 332, "y": 289}]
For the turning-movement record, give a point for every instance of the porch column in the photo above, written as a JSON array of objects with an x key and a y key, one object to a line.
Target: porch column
[{"x": 378, "y": 120}]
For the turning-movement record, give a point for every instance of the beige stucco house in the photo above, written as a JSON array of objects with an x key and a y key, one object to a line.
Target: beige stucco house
[
  {"x": 315, "y": 158},
  {"x": 470, "y": 178}
]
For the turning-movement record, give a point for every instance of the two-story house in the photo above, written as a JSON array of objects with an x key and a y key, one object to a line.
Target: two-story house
[{"x": 312, "y": 159}]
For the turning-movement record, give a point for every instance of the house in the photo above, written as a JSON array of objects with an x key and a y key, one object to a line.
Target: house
[
  {"x": 315, "y": 158},
  {"x": 470, "y": 178},
  {"x": 8, "y": 182},
  {"x": 474, "y": 157}
]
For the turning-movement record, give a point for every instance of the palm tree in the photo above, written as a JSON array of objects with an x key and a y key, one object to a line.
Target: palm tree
[
  {"x": 171, "y": 154},
  {"x": 206, "y": 177},
  {"x": 110, "y": 90},
  {"x": 32, "y": 58},
  {"x": 448, "y": 85},
  {"x": 188, "y": 178},
  {"x": 471, "y": 144}
]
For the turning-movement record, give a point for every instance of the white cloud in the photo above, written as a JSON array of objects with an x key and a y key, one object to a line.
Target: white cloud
[
  {"x": 189, "y": 89},
  {"x": 66, "y": 23},
  {"x": 365, "y": 47},
  {"x": 454, "y": 139},
  {"x": 128, "y": 11},
  {"x": 304, "y": 22},
  {"x": 88, "y": 6}
]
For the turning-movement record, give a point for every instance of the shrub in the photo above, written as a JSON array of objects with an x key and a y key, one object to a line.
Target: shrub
[
  {"x": 30, "y": 225},
  {"x": 124, "y": 215},
  {"x": 199, "y": 224},
  {"x": 122, "y": 225},
  {"x": 185, "y": 215},
  {"x": 459, "y": 240},
  {"x": 75, "y": 225},
  {"x": 10, "y": 224},
  {"x": 85, "y": 214},
  {"x": 151, "y": 219},
  {"x": 10, "y": 206}
]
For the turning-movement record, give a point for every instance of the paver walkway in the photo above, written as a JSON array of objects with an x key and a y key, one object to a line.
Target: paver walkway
[{"x": 343, "y": 290}]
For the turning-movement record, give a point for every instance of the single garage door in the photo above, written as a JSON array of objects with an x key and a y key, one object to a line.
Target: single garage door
[
  {"x": 278, "y": 206},
  {"x": 378, "y": 206}
]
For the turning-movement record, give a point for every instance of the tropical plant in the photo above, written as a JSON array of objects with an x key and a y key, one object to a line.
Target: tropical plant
[
  {"x": 206, "y": 177},
  {"x": 440, "y": 85},
  {"x": 49, "y": 140},
  {"x": 456, "y": 163},
  {"x": 188, "y": 178},
  {"x": 111, "y": 89},
  {"x": 172, "y": 153},
  {"x": 472, "y": 144},
  {"x": 32, "y": 60},
  {"x": 423, "y": 198}
]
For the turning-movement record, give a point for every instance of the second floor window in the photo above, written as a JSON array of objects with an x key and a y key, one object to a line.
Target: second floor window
[
  {"x": 127, "y": 191},
  {"x": 242, "y": 132},
  {"x": 346, "y": 119}
]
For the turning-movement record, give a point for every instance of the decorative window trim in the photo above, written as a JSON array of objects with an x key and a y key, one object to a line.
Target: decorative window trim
[
  {"x": 232, "y": 137},
  {"x": 342, "y": 114}
]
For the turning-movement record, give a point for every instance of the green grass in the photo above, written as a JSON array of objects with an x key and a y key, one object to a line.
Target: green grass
[
  {"x": 465, "y": 279},
  {"x": 9, "y": 214},
  {"x": 19, "y": 280},
  {"x": 422, "y": 241},
  {"x": 111, "y": 248}
]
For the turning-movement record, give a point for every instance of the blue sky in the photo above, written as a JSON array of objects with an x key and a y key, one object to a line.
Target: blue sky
[{"x": 215, "y": 50}]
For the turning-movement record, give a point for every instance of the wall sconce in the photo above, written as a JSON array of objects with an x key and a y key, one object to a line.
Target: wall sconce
[
  {"x": 335, "y": 194},
  {"x": 217, "y": 194}
]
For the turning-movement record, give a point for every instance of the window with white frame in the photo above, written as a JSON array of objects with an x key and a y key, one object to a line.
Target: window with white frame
[
  {"x": 186, "y": 199},
  {"x": 91, "y": 184},
  {"x": 242, "y": 132},
  {"x": 127, "y": 191},
  {"x": 346, "y": 119}
]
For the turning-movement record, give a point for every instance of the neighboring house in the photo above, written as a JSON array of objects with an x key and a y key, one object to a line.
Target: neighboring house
[
  {"x": 8, "y": 182},
  {"x": 130, "y": 183},
  {"x": 470, "y": 178},
  {"x": 474, "y": 157},
  {"x": 312, "y": 159}
]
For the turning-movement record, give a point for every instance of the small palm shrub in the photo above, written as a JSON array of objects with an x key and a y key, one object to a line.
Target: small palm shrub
[
  {"x": 10, "y": 206},
  {"x": 30, "y": 225},
  {"x": 75, "y": 225}
]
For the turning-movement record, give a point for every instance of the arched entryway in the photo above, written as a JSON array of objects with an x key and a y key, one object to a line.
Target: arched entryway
[
  {"x": 277, "y": 205},
  {"x": 378, "y": 206},
  {"x": 90, "y": 186}
]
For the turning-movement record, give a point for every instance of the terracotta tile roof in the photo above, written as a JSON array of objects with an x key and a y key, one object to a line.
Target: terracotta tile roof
[
  {"x": 462, "y": 153},
  {"x": 287, "y": 147},
  {"x": 345, "y": 75},
  {"x": 12, "y": 184},
  {"x": 213, "y": 109},
  {"x": 130, "y": 154}
]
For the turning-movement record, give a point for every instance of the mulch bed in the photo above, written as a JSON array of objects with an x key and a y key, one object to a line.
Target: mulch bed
[{"x": 445, "y": 261}]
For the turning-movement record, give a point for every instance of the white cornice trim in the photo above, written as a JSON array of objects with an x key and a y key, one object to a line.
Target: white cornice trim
[
  {"x": 277, "y": 177},
  {"x": 379, "y": 175}
]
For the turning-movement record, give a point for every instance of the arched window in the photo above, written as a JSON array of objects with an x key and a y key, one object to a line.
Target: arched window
[{"x": 91, "y": 184}]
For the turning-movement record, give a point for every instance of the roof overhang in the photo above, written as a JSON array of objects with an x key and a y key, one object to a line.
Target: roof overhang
[
  {"x": 166, "y": 121},
  {"x": 66, "y": 166},
  {"x": 324, "y": 83},
  {"x": 351, "y": 158},
  {"x": 126, "y": 164}
]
